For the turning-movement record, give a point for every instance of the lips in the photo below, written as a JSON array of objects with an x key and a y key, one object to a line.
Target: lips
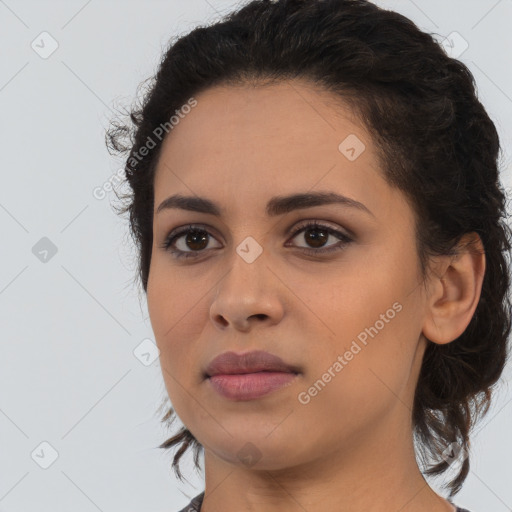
[
  {"x": 249, "y": 376},
  {"x": 230, "y": 363}
]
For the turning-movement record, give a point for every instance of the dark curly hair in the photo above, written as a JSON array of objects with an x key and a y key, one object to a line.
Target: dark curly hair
[{"x": 435, "y": 142}]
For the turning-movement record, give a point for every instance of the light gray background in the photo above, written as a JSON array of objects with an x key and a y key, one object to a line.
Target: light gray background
[{"x": 70, "y": 325}]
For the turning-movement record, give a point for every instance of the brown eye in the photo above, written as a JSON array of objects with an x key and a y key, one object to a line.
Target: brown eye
[
  {"x": 316, "y": 236},
  {"x": 196, "y": 240},
  {"x": 187, "y": 242},
  {"x": 190, "y": 241}
]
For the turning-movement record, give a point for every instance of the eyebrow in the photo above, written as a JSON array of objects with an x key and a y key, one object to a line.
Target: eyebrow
[{"x": 278, "y": 205}]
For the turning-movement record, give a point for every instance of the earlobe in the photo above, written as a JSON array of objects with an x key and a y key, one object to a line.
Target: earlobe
[{"x": 455, "y": 291}]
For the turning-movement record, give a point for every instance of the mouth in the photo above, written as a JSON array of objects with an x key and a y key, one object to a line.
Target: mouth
[
  {"x": 252, "y": 385},
  {"x": 230, "y": 363},
  {"x": 249, "y": 375}
]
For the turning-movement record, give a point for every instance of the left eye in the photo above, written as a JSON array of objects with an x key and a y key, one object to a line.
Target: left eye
[
  {"x": 317, "y": 234},
  {"x": 197, "y": 238}
]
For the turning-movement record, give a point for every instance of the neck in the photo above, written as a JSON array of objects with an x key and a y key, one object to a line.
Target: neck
[{"x": 373, "y": 473}]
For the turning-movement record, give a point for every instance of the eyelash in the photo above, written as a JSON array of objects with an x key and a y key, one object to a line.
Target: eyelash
[{"x": 177, "y": 253}]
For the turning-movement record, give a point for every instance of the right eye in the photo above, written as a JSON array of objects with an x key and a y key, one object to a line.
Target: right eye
[{"x": 196, "y": 237}]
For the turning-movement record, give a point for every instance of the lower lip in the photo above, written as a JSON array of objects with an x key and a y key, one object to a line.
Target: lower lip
[{"x": 249, "y": 386}]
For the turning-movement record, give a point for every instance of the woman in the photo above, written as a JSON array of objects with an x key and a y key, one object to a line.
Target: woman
[{"x": 321, "y": 231}]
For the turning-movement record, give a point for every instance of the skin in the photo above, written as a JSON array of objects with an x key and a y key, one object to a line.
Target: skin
[{"x": 351, "y": 447}]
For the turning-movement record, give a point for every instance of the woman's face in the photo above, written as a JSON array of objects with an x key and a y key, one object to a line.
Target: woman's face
[{"x": 347, "y": 314}]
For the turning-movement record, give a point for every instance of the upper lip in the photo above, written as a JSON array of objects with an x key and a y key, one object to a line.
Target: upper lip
[{"x": 248, "y": 362}]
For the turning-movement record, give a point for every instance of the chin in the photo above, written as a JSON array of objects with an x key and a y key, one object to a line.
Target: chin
[{"x": 258, "y": 451}]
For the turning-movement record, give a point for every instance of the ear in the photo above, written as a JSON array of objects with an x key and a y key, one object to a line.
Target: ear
[{"x": 454, "y": 291}]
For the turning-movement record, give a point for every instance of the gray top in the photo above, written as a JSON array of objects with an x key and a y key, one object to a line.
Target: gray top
[{"x": 195, "y": 505}]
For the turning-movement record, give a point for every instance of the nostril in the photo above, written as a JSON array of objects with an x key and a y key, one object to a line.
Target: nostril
[{"x": 222, "y": 320}]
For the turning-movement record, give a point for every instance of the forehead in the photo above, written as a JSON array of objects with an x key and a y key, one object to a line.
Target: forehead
[{"x": 242, "y": 144}]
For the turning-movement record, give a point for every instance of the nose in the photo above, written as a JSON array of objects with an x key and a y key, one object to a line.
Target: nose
[{"x": 248, "y": 295}]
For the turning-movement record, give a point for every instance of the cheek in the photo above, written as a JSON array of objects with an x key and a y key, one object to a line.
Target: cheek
[
  {"x": 371, "y": 319},
  {"x": 164, "y": 307},
  {"x": 371, "y": 381},
  {"x": 178, "y": 311},
  {"x": 345, "y": 304},
  {"x": 172, "y": 300}
]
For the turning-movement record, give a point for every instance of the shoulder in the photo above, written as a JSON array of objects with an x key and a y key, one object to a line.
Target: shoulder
[{"x": 196, "y": 503}]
